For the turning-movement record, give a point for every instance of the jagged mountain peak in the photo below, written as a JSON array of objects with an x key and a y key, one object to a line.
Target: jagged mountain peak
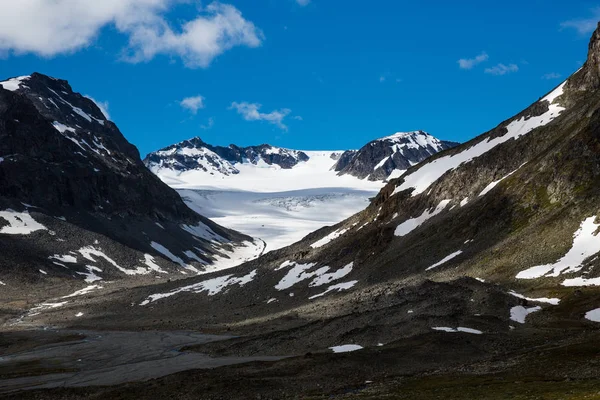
[
  {"x": 588, "y": 76},
  {"x": 388, "y": 157},
  {"x": 195, "y": 154}
]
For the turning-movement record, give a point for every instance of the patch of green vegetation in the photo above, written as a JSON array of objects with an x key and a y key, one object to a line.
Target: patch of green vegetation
[{"x": 485, "y": 387}]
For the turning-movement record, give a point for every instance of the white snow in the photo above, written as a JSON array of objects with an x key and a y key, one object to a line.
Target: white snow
[
  {"x": 593, "y": 315},
  {"x": 2, "y": 283},
  {"x": 62, "y": 128},
  {"x": 338, "y": 288},
  {"x": 241, "y": 253},
  {"x": 492, "y": 185},
  {"x": 89, "y": 252},
  {"x": 581, "y": 282},
  {"x": 430, "y": 172},
  {"x": 19, "y": 223},
  {"x": 553, "y": 301},
  {"x": 314, "y": 173},
  {"x": 83, "y": 291},
  {"x": 332, "y": 236},
  {"x": 14, "y": 83},
  {"x": 464, "y": 202},
  {"x": 520, "y": 313},
  {"x": 280, "y": 218},
  {"x": 345, "y": 348},
  {"x": 212, "y": 286},
  {"x": 79, "y": 314},
  {"x": 151, "y": 263},
  {"x": 43, "y": 272},
  {"x": 411, "y": 224},
  {"x": 202, "y": 231},
  {"x": 300, "y": 272},
  {"x": 445, "y": 260},
  {"x": 191, "y": 255},
  {"x": 280, "y": 206},
  {"x": 585, "y": 244},
  {"x": 90, "y": 276},
  {"x": 67, "y": 258},
  {"x": 459, "y": 329},
  {"x": 167, "y": 253},
  {"x": 326, "y": 278}
]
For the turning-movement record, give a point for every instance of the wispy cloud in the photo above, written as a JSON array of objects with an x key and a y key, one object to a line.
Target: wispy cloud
[
  {"x": 502, "y": 69},
  {"x": 250, "y": 112},
  {"x": 49, "y": 27},
  {"x": 381, "y": 79},
  {"x": 209, "y": 124},
  {"x": 469, "y": 63},
  {"x": 551, "y": 75},
  {"x": 102, "y": 105},
  {"x": 192, "y": 104},
  {"x": 303, "y": 3},
  {"x": 583, "y": 26}
]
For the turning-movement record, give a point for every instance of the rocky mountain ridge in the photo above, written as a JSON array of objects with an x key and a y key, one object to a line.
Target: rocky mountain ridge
[
  {"x": 391, "y": 156},
  {"x": 378, "y": 160},
  {"x": 196, "y": 154}
]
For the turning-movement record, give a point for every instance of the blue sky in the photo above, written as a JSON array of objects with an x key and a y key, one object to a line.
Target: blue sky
[{"x": 328, "y": 74}]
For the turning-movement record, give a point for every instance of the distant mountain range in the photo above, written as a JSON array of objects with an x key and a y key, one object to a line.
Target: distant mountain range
[{"x": 377, "y": 160}]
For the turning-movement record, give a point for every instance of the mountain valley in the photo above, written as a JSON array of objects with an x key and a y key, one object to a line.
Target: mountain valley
[{"x": 411, "y": 268}]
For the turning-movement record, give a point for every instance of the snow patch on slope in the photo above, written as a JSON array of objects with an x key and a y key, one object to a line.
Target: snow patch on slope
[
  {"x": 300, "y": 272},
  {"x": 411, "y": 224},
  {"x": 430, "y": 172},
  {"x": 520, "y": 313},
  {"x": 19, "y": 223},
  {"x": 445, "y": 260},
  {"x": 211, "y": 286},
  {"x": 585, "y": 244}
]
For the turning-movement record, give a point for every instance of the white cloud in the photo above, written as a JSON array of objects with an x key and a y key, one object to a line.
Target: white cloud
[
  {"x": 192, "y": 104},
  {"x": 102, "y": 105},
  {"x": 250, "y": 112},
  {"x": 209, "y": 124},
  {"x": 382, "y": 79},
  {"x": 502, "y": 69},
  {"x": 551, "y": 75},
  {"x": 303, "y": 3},
  {"x": 51, "y": 27},
  {"x": 583, "y": 26},
  {"x": 469, "y": 63}
]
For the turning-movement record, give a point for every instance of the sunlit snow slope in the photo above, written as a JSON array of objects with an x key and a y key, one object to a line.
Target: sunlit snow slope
[{"x": 276, "y": 204}]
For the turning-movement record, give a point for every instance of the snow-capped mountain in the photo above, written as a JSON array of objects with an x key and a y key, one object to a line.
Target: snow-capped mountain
[
  {"x": 194, "y": 154},
  {"x": 377, "y": 160},
  {"x": 77, "y": 202},
  {"x": 281, "y": 195},
  {"x": 391, "y": 156}
]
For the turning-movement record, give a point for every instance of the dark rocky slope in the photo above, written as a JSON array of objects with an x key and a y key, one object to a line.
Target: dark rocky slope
[{"x": 73, "y": 187}]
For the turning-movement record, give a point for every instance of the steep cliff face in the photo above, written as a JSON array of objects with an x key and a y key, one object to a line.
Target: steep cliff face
[{"x": 59, "y": 150}]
